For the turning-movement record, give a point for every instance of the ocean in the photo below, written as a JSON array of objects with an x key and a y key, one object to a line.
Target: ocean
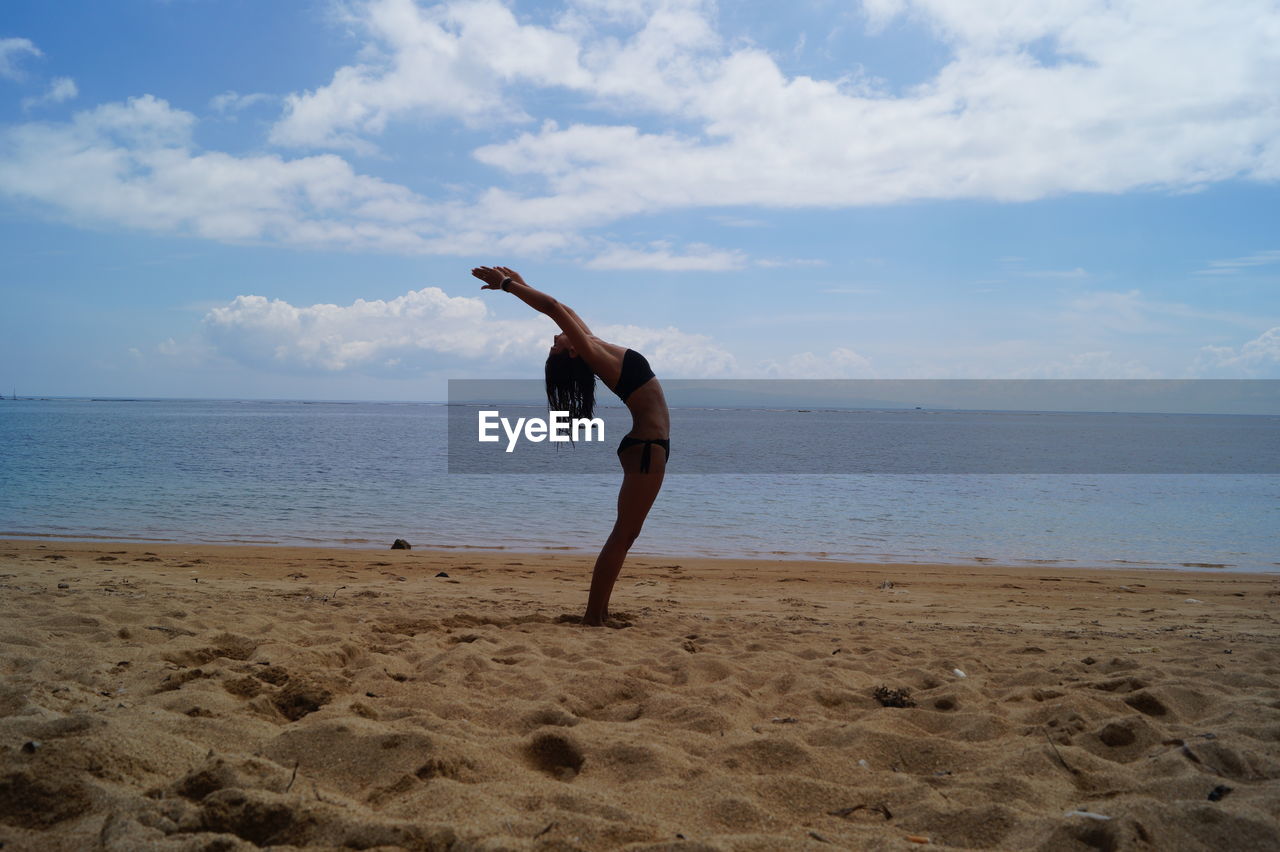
[{"x": 363, "y": 474}]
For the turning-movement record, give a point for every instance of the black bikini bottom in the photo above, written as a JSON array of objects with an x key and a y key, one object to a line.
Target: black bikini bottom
[{"x": 629, "y": 441}]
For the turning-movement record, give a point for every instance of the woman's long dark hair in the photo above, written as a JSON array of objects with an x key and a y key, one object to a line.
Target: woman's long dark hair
[{"x": 571, "y": 386}]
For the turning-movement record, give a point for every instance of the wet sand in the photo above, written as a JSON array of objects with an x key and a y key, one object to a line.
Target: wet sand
[{"x": 180, "y": 697}]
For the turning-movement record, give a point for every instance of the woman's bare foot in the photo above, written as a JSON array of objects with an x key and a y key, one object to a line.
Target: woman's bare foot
[{"x": 616, "y": 622}]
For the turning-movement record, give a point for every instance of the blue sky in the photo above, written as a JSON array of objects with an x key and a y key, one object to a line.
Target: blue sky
[{"x": 223, "y": 198}]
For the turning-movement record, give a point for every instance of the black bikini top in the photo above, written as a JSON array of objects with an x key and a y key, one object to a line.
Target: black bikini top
[{"x": 635, "y": 372}]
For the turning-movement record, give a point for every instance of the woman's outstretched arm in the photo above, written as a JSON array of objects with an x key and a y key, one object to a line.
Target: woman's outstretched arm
[
  {"x": 564, "y": 316},
  {"x": 574, "y": 314}
]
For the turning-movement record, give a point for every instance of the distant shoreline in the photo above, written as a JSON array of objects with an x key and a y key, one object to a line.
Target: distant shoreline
[{"x": 711, "y": 397}]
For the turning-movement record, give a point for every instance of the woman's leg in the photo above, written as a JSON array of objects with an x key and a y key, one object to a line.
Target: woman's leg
[{"x": 634, "y": 500}]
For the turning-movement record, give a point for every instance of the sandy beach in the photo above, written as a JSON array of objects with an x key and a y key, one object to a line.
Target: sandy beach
[{"x": 181, "y": 697}]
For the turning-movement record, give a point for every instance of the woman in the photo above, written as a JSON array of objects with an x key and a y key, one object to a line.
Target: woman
[{"x": 576, "y": 358}]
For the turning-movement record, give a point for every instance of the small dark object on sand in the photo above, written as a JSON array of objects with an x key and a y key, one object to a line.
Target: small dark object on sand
[
  {"x": 1062, "y": 760},
  {"x": 442, "y": 574},
  {"x": 881, "y": 809},
  {"x": 893, "y": 697},
  {"x": 1217, "y": 793},
  {"x": 401, "y": 544}
]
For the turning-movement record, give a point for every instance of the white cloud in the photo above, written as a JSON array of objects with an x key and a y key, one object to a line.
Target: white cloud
[
  {"x": 61, "y": 89},
  {"x": 428, "y": 328},
  {"x": 1236, "y": 265},
  {"x": 633, "y": 12},
  {"x": 232, "y": 101},
  {"x": 674, "y": 353},
  {"x": 11, "y": 50},
  {"x": 367, "y": 333},
  {"x": 1038, "y": 100},
  {"x": 1257, "y": 355},
  {"x": 659, "y": 256},
  {"x": 134, "y": 165},
  {"x": 416, "y": 328},
  {"x": 839, "y": 363},
  {"x": 460, "y": 59},
  {"x": 450, "y": 59}
]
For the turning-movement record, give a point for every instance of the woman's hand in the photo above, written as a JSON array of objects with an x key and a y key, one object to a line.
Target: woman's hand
[
  {"x": 492, "y": 276},
  {"x": 508, "y": 272}
]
